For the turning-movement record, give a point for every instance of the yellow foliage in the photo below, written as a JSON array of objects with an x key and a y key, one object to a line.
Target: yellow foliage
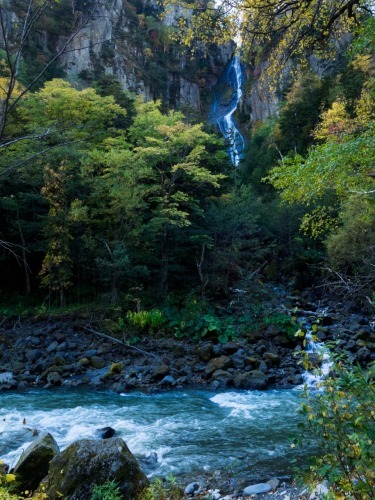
[{"x": 335, "y": 123}]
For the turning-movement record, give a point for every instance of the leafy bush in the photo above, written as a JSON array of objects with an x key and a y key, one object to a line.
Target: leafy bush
[
  {"x": 106, "y": 491},
  {"x": 286, "y": 324},
  {"x": 146, "y": 320},
  {"x": 6, "y": 480},
  {"x": 196, "y": 325},
  {"x": 163, "y": 490},
  {"x": 340, "y": 421}
]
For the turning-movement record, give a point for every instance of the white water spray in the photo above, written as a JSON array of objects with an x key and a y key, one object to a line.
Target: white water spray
[{"x": 313, "y": 379}]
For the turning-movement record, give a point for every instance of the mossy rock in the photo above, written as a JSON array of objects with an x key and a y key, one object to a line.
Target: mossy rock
[
  {"x": 86, "y": 463},
  {"x": 116, "y": 368},
  {"x": 32, "y": 466}
]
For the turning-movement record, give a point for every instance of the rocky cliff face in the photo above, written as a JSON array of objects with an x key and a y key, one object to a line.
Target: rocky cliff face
[{"x": 131, "y": 43}]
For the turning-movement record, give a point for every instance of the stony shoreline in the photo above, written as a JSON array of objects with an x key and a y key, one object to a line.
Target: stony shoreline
[{"x": 48, "y": 354}]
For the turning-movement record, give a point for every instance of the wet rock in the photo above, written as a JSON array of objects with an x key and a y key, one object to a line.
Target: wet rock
[
  {"x": 221, "y": 375},
  {"x": 85, "y": 463},
  {"x": 272, "y": 358},
  {"x": 6, "y": 377},
  {"x": 230, "y": 347},
  {"x": 351, "y": 345},
  {"x": 364, "y": 354},
  {"x": 168, "y": 380},
  {"x": 257, "y": 489},
  {"x": 151, "y": 459},
  {"x": 97, "y": 362},
  {"x": 59, "y": 359},
  {"x": 251, "y": 361},
  {"x": 32, "y": 466},
  {"x": 52, "y": 347},
  {"x": 321, "y": 336},
  {"x": 54, "y": 378},
  {"x": 282, "y": 340},
  {"x": 192, "y": 489},
  {"x": 220, "y": 363},
  {"x": 274, "y": 483},
  {"x": 205, "y": 351},
  {"x": 106, "y": 432},
  {"x": 238, "y": 360},
  {"x": 263, "y": 367},
  {"x": 160, "y": 372},
  {"x": 250, "y": 380},
  {"x": 33, "y": 341},
  {"x": 32, "y": 355}
]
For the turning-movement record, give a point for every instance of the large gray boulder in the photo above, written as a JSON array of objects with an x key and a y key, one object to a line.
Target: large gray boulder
[
  {"x": 250, "y": 380},
  {"x": 220, "y": 363},
  {"x": 32, "y": 466},
  {"x": 86, "y": 463}
]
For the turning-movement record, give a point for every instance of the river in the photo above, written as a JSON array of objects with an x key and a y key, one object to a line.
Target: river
[{"x": 191, "y": 431}]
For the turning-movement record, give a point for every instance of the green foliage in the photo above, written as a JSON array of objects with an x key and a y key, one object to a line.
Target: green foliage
[
  {"x": 286, "y": 324},
  {"x": 196, "y": 321},
  {"x": 340, "y": 421},
  {"x": 161, "y": 489},
  {"x": 106, "y": 491},
  {"x": 146, "y": 320}
]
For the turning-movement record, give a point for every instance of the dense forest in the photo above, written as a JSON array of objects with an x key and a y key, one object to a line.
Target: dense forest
[
  {"x": 118, "y": 195},
  {"x": 105, "y": 196}
]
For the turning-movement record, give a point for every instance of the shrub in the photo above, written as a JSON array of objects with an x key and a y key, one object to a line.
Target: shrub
[
  {"x": 163, "y": 490},
  {"x": 146, "y": 320},
  {"x": 106, "y": 491},
  {"x": 286, "y": 324},
  {"x": 341, "y": 422}
]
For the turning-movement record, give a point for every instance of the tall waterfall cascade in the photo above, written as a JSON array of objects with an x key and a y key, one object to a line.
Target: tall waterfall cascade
[{"x": 224, "y": 108}]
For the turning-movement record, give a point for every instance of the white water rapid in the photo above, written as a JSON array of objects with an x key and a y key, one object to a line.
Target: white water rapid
[
  {"x": 223, "y": 110},
  {"x": 190, "y": 431}
]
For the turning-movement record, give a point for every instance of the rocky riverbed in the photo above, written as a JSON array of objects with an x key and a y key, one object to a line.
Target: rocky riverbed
[{"x": 55, "y": 353}]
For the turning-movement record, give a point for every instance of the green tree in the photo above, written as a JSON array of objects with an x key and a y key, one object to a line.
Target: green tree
[{"x": 156, "y": 185}]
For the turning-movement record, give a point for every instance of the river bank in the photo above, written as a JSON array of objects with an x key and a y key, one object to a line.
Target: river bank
[{"x": 68, "y": 353}]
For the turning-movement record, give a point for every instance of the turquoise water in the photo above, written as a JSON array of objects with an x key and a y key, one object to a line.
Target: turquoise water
[{"x": 190, "y": 431}]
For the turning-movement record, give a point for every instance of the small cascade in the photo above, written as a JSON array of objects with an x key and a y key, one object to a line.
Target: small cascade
[
  {"x": 318, "y": 350},
  {"x": 224, "y": 108}
]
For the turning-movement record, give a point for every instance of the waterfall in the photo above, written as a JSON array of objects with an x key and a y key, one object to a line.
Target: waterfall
[
  {"x": 224, "y": 108},
  {"x": 314, "y": 348}
]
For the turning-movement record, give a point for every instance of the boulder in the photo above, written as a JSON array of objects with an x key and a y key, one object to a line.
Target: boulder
[
  {"x": 106, "y": 432},
  {"x": 54, "y": 378},
  {"x": 250, "y": 380},
  {"x": 168, "y": 380},
  {"x": 86, "y": 463},
  {"x": 257, "y": 489},
  {"x": 272, "y": 358},
  {"x": 274, "y": 483},
  {"x": 221, "y": 376},
  {"x": 32, "y": 355},
  {"x": 97, "y": 362},
  {"x": 32, "y": 466},
  {"x": 220, "y": 363},
  {"x": 205, "y": 351},
  {"x": 160, "y": 372},
  {"x": 192, "y": 488},
  {"x": 6, "y": 377}
]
